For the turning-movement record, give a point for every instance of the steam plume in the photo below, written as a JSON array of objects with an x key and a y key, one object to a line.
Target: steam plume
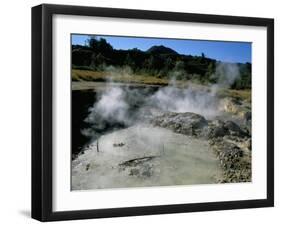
[{"x": 117, "y": 104}]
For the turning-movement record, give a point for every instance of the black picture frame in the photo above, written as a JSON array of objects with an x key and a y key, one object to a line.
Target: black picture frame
[{"x": 42, "y": 111}]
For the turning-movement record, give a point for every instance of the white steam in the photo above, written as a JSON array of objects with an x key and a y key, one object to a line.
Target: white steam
[
  {"x": 227, "y": 74},
  {"x": 191, "y": 99},
  {"x": 111, "y": 106},
  {"x": 116, "y": 101}
]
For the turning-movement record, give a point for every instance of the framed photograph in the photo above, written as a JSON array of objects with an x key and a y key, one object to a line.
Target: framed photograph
[{"x": 146, "y": 112}]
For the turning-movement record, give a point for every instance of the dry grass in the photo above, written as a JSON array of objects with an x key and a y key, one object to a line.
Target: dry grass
[
  {"x": 237, "y": 94},
  {"x": 95, "y": 76}
]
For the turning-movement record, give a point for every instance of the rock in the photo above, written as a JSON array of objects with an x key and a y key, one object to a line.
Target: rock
[
  {"x": 215, "y": 129},
  {"x": 185, "y": 123},
  {"x": 235, "y": 160},
  {"x": 245, "y": 115},
  {"x": 242, "y": 109},
  {"x": 218, "y": 128},
  {"x": 234, "y": 129},
  {"x": 247, "y": 144},
  {"x": 231, "y": 105}
]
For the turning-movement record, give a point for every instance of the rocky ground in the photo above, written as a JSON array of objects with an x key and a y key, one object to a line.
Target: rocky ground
[{"x": 230, "y": 139}]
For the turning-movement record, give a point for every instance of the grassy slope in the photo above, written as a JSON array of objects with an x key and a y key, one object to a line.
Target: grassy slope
[{"x": 95, "y": 76}]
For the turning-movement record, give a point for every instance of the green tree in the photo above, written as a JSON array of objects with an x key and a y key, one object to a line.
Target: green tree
[
  {"x": 129, "y": 61},
  {"x": 99, "y": 45}
]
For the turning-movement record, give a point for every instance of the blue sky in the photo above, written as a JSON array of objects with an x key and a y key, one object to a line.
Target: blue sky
[{"x": 224, "y": 51}]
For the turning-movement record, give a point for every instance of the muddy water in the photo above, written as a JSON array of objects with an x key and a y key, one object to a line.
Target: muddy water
[
  {"x": 142, "y": 155},
  {"x": 84, "y": 97}
]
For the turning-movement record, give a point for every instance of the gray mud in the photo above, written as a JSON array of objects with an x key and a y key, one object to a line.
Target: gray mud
[{"x": 143, "y": 155}]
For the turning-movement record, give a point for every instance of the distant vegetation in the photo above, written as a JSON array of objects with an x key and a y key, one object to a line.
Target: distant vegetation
[
  {"x": 100, "y": 76},
  {"x": 159, "y": 61}
]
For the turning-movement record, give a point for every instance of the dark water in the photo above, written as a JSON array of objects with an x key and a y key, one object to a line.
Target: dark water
[{"x": 82, "y": 100}]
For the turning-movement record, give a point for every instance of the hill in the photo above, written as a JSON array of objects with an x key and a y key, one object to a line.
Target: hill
[{"x": 161, "y": 50}]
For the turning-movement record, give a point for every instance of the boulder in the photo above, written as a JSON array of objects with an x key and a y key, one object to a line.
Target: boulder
[
  {"x": 185, "y": 123},
  {"x": 218, "y": 128}
]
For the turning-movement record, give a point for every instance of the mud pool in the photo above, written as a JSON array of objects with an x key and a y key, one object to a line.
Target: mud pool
[{"x": 142, "y": 155}]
